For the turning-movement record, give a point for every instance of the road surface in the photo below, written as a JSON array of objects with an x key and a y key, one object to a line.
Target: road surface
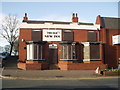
[{"x": 81, "y": 84}]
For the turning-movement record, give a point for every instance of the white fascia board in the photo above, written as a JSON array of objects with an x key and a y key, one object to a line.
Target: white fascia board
[{"x": 61, "y": 26}]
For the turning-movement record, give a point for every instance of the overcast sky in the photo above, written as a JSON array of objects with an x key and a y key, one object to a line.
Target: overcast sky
[{"x": 59, "y": 11}]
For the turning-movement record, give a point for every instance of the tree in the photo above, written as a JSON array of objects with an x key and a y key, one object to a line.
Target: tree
[
  {"x": 9, "y": 29},
  {"x": 15, "y": 47}
]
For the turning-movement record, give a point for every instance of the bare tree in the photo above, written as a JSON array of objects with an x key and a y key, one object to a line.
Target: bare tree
[
  {"x": 15, "y": 47},
  {"x": 9, "y": 29}
]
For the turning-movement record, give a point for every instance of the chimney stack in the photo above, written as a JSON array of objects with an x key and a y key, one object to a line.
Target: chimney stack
[
  {"x": 75, "y": 18},
  {"x": 25, "y": 18}
]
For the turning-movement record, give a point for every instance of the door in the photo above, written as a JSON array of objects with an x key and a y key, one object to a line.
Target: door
[{"x": 53, "y": 54}]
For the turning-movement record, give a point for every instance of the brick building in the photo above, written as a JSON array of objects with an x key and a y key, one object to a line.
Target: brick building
[{"x": 69, "y": 45}]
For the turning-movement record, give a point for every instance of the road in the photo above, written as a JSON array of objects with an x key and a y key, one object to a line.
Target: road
[{"x": 84, "y": 84}]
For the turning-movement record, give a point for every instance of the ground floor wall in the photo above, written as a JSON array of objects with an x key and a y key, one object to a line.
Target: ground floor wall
[
  {"x": 81, "y": 66},
  {"x": 65, "y": 56}
]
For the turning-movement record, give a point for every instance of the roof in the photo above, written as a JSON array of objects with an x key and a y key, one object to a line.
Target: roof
[
  {"x": 53, "y": 22},
  {"x": 34, "y": 24},
  {"x": 110, "y": 23}
]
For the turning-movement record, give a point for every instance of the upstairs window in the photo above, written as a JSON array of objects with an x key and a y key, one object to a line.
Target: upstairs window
[
  {"x": 67, "y": 35},
  {"x": 36, "y": 35},
  {"x": 92, "y": 37}
]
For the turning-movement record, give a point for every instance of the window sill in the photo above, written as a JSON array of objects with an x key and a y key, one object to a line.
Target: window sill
[{"x": 68, "y": 59}]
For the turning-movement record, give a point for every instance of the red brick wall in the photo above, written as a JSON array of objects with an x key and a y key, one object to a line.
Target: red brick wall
[
  {"x": 26, "y": 35},
  {"x": 111, "y": 51},
  {"x": 33, "y": 65},
  {"x": 21, "y": 65},
  {"x": 85, "y": 66},
  {"x": 80, "y": 35},
  {"x": 81, "y": 66}
]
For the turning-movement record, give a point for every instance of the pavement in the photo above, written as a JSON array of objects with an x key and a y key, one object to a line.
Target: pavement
[
  {"x": 10, "y": 71},
  {"x": 14, "y": 73}
]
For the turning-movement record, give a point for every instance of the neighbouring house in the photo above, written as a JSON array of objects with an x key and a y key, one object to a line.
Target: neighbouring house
[{"x": 69, "y": 45}]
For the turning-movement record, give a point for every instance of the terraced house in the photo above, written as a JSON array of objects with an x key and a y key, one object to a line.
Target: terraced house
[{"x": 69, "y": 45}]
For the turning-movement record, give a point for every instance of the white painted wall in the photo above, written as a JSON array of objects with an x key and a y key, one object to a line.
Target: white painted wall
[{"x": 61, "y": 26}]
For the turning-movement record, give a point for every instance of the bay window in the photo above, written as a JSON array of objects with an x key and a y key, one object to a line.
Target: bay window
[
  {"x": 68, "y": 52},
  {"x": 35, "y": 50}
]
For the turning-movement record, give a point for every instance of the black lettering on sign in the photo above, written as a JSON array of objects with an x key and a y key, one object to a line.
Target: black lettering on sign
[
  {"x": 49, "y": 32},
  {"x": 48, "y": 36},
  {"x": 51, "y": 36},
  {"x": 56, "y": 36}
]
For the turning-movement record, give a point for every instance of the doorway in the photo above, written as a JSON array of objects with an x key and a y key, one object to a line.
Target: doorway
[{"x": 53, "y": 54}]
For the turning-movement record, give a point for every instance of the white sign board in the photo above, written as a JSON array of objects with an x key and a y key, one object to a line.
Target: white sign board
[
  {"x": 52, "y": 35},
  {"x": 116, "y": 39}
]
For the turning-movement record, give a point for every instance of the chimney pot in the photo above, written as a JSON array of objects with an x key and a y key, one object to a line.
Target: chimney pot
[
  {"x": 75, "y": 18},
  {"x": 73, "y": 15},
  {"x": 25, "y": 14},
  {"x": 25, "y": 17},
  {"x": 76, "y": 15}
]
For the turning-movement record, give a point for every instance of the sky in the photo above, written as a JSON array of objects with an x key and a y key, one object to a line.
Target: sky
[{"x": 59, "y": 11}]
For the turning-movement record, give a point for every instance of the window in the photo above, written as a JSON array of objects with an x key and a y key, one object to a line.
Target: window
[
  {"x": 36, "y": 35},
  {"x": 68, "y": 52},
  {"x": 91, "y": 51},
  {"x": 94, "y": 51},
  {"x": 34, "y": 52},
  {"x": 68, "y": 35},
  {"x": 92, "y": 36}
]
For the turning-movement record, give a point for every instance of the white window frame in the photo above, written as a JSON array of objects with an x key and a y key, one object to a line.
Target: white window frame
[{"x": 30, "y": 52}]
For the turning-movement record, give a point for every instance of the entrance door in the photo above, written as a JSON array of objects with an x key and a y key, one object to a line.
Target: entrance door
[{"x": 53, "y": 54}]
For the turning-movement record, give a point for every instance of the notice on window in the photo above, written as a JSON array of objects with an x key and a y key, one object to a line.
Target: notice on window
[
  {"x": 116, "y": 39},
  {"x": 52, "y": 35}
]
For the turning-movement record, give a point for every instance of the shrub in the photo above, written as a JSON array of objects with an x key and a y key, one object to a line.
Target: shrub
[{"x": 113, "y": 70}]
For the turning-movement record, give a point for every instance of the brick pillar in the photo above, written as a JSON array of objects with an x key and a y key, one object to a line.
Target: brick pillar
[
  {"x": 104, "y": 35},
  {"x": 101, "y": 53}
]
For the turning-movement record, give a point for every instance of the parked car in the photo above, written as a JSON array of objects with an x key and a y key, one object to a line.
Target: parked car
[{"x": 3, "y": 56}]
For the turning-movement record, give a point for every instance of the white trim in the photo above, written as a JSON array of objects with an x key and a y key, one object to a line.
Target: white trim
[
  {"x": 67, "y": 31},
  {"x": 31, "y": 51},
  {"x": 86, "y": 59},
  {"x": 36, "y": 30},
  {"x": 60, "y": 26},
  {"x": 91, "y": 59},
  {"x": 28, "y": 52},
  {"x": 86, "y": 43}
]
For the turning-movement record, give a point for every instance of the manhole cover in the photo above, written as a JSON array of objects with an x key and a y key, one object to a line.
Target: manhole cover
[
  {"x": 7, "y": 75},
  {"x": 59, "y": 76}
]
